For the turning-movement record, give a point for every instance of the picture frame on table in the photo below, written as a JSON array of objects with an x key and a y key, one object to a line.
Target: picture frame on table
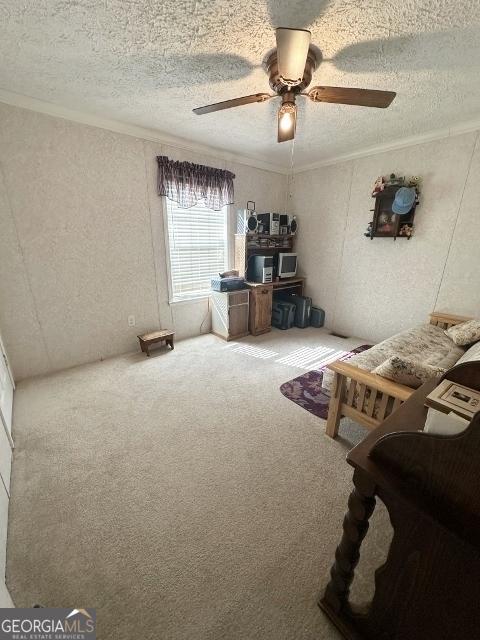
[{"x": 450, "y": 396}]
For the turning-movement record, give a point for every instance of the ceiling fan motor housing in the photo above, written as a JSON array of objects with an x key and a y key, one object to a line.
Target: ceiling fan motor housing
[{"x": 276, "y": 81}]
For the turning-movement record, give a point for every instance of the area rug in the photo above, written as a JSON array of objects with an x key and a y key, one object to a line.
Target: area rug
[{"x": 307, "y": 391}]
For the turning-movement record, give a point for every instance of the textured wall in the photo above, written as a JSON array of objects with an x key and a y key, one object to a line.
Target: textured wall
[
  {"x": 82, "y": 240},
  {"x": 82, "y": 243},
  {"x": 373, "y": 288},
  {"x": 461, "y": 283}
]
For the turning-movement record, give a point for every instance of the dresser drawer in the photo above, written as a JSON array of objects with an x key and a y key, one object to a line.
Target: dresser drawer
[{"x": 238, "y": 297}]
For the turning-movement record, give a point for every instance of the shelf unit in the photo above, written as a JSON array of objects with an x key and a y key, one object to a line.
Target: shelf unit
[
  {"x": 259, "y": 244},
  {"x": 261, "y": 295},
  {"x": 385, "y": 223}
]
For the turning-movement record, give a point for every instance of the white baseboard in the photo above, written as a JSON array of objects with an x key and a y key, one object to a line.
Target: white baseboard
[{"x": 6, "y": 601}]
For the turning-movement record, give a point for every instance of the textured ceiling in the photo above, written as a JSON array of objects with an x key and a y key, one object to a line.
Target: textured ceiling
[{"x": 149, "y": 63}]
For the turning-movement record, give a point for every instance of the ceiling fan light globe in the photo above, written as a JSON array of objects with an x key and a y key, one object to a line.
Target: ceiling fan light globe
[
  {"x": 286, "y": 116},
  {"x": 287, "y": 121}
]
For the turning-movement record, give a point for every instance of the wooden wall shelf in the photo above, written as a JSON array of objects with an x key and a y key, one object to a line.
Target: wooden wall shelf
[{"x": 385, "y": 223}]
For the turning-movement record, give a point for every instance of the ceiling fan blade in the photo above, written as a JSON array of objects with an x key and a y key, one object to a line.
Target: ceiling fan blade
[
  {"x": 292, "y": 51},
  {"x": 235, "y": 102},
  {"x": 359, "y": 97}
]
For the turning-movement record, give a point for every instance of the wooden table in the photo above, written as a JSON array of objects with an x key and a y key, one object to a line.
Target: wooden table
[
  {"x": 147, "y": 339},
  {"x": 429, "y": 586}
]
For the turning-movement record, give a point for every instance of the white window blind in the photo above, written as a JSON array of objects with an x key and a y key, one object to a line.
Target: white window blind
[{"x": 197, "y": 239}]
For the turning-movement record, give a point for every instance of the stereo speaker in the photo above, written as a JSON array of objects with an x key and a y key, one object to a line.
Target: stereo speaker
[
  {"x": 252, "y": 222},
  {"x": 247, "y": 222},
  {"x": 293, "y": 225}
]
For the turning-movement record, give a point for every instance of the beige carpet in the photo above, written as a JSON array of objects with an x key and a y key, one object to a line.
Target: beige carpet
[{"x": 183, "y": 495}]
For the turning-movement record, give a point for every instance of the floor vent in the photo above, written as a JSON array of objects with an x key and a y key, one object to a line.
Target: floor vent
[{"x": 338, "y": 335}]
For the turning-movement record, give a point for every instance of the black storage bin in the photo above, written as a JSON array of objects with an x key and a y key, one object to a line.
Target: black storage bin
[
  {"x": 302, "y": 312},
  {"x": 283, "y": 314},
  {"x": 317, "y": 317}
]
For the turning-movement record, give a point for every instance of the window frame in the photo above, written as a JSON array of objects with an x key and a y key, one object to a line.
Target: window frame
[{"x": 181, "y": 299}]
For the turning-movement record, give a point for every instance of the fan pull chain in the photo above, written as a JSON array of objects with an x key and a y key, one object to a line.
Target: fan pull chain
[{"x": 290, "y": 181}]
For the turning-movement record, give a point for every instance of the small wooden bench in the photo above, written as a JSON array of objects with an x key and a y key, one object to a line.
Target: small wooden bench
[{"x": 147, "y": 339}]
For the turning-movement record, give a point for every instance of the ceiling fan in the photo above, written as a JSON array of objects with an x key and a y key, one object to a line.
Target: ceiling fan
[{"x": 290, "y": 68}]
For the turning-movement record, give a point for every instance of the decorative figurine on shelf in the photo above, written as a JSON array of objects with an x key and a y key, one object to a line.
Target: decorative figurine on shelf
[
  {"x": 378, "y": 186},
  {"x": 395, "y": 181},
  {"x": 415, "y": 183},
  {"x": 406, "y": 230},
  {"x": 368, "y": 232},
  {"x": 385, "y": 223}
]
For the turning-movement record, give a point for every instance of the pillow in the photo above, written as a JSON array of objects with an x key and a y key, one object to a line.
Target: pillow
[
  {"x": 444, "y": 424},
  {"x": 471, "y": 354},
  {"x": 465, "y": 332},
  {"x": 412, "y": 373}
]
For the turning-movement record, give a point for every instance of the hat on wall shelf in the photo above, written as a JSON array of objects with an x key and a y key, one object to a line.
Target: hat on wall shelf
[{"x": 404, "y": 200}]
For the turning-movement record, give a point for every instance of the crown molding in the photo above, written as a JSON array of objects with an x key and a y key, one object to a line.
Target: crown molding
[
  {"x": 153, "y": 135},
  {"x": 411, "y": 141}
]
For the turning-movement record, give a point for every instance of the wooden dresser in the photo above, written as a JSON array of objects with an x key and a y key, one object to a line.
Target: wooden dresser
[{"x": 230, "y": 313}]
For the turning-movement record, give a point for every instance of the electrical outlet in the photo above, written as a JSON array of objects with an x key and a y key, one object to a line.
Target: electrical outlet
[{"x": 131, "y": 321}]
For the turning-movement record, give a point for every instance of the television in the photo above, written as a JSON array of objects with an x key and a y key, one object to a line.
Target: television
[{"x": 287, "y": 265}]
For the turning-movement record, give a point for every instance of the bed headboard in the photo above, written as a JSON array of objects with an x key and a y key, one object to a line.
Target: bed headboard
[{"x": 446, "y": 320}]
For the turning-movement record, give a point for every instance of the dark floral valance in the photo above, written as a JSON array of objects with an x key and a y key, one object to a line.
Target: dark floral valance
[{"x": 186, "y": 183}]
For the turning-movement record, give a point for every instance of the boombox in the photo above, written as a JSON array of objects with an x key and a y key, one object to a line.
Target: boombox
[
  {"x": 273, "y": 224},
  {"x": 269, "y": 223},
  {"x": 247, "y": 222}
]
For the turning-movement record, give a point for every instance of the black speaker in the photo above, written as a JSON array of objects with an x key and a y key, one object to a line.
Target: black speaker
[
  {"x": 247, "y": 222},
  {"x": 252, "y": 222},
  {"x": 293, "y": 225}
]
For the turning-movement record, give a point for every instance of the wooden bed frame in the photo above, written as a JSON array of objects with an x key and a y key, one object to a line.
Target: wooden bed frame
[
  {"x": 428, "y": 587},
  {"x": 370, "y": 389}
]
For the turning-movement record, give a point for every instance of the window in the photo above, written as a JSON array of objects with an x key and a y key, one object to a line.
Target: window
[{"x": 198, "y": 250}]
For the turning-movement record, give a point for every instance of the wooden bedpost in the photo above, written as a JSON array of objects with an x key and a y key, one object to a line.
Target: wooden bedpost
[
  {"x": 334, "y": 413},
  {"x": 361, "y": 504}
]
